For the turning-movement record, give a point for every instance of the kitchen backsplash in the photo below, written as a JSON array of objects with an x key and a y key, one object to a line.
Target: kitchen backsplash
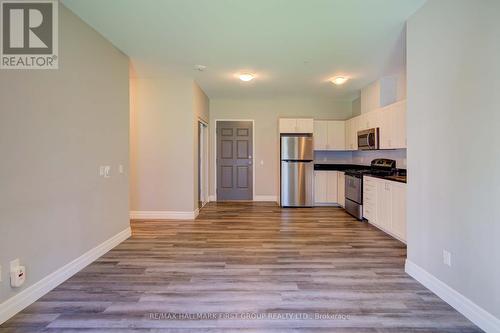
[{"x": 361, "y": 157}]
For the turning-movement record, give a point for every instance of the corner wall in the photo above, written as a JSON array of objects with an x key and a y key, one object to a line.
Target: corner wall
[
  {"x": 56, "y": 128},
  {"x": 453, "y": 125},
  {"x": 164, "y": 146},
  {"x": 164, "y": 137}
]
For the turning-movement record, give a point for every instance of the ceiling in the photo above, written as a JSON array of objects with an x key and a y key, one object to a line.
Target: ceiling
[{"x": 293, "y": 46}]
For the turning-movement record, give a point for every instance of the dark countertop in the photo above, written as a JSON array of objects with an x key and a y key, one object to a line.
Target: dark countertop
[
  {"x": 338, "y": 167},
  {"x": 401, "y": 178},
  {"x": 398, "y": 179}
]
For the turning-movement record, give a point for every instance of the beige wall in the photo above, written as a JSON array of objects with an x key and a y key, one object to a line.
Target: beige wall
[
  {"x": 56, "y": 128},
  {"x": 164, "y": 143},
  {"x": 453, "y": 125},
  {"x": 265, "y": 113},
  {"x": 162, "y": 160}
]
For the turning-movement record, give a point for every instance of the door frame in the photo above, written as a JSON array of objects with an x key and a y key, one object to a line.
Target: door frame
[
  {"x": 203, "y": 177},
  {"x": 253, "y": 154}
]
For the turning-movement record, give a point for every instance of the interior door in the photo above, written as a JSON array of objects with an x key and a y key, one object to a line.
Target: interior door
[{"x": 234, "y": 160}]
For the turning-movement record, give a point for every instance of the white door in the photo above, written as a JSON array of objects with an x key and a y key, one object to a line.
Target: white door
[
  {"x": 348, "y": 137},
  {"x": 288, "y": 125},
  {"x": 398, "y": 210},
  {"x": 332, "y": 187},
  {"x": 320, "y": 186},
  {"x": 399, "y": 125},
  {"x": 336, "y": 135},
  {"x": 305, "y": 125},
  {"x": 320, "y": 134},
  {"x": 354, "y": 132},
  {"x": 384, "y": 205}
]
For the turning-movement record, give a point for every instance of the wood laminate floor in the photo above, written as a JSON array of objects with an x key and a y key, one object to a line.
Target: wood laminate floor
[{"x": 246, "y": 267}]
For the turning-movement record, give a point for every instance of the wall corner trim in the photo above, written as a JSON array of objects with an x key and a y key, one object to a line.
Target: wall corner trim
[
  {"x": 163, "y": 215},
  {"x": 479, "y": 316},
  {"x": 26, "y": 297}
]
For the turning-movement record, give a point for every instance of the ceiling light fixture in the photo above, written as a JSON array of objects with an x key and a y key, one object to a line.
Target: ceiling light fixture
[
  {"x": 200, "y": 68},
  {"x": 338, "y": 80},
  {"x": 246, "y": 77}
]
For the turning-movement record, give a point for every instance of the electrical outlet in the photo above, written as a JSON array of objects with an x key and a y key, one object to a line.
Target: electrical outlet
[{"x": 447, "y": 258}]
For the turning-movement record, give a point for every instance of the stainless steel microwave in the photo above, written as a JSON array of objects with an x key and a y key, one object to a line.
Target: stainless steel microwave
[{"x": 368, "y": 139}]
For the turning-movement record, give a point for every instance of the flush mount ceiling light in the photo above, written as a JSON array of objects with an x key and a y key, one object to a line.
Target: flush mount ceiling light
[
  {"x": 245, "y": 77},
  {"x": 338, "y": 80},
  {"x": 200, "y": 68}
]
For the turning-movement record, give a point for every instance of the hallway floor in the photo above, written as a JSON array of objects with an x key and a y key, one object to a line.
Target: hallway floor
[{"x": 246, "y": 267}]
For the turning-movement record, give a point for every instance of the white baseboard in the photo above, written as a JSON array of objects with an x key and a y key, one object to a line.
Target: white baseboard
[
  {"x": 265, "y": 198},
  {"x": 29, "y": 295},
  {"x": 256, "y": 198},
  {"x": 479, "y": 316},
  {"x": 163, "y": 215}
]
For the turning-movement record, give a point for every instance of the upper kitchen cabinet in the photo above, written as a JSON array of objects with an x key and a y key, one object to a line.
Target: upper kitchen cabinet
[
  {"x": 368, "y": 120},
  {"x": 320, "y": 135},
  {"x": 296, "y": 125},
  {"x": 393, "y": 126},
  {"x": 351, "y": 133},
  {"x": 329, "y": 135}
]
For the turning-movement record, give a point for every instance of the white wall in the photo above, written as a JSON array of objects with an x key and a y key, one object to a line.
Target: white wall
[
  {"x": 56, "y": 128},
  {"x": 162, "y": 159},
  {"x": 266, "y": 113},
  {"x": 164, "y": 143},
  {"x": 453, "y": 145}
]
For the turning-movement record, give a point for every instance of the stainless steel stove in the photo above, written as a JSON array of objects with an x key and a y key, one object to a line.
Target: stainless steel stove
[{"x": 354, "y": 184}]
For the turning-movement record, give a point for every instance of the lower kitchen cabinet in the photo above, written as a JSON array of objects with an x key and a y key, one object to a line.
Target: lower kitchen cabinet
[
  {"x": 326, "y": 187},
  {"x": 341, "y": 188},
  {"x": 384, "y": 205}
]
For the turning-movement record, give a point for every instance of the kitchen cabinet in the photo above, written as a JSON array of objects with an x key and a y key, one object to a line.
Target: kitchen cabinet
[
  {"x": 320, "y": 135},
  {"x": 296, "y": 125},
  {"x": 336, "y": 135},
  {"x": 393, "y": 126},
  {"x": 384, "y": 202},
  {"x": 352, "y": 126},
  {"x": 391, "y": 121},
  {"x": 341, "y": 188},
  {"x": 329, "y": 135},
  {"x": 368, "y": 120},
  {"x": 325, "y": 187},
  {"x": 398, "y": 210},
  {"x": 370, "y": 199},
  {"x": 384, "y": 205}
]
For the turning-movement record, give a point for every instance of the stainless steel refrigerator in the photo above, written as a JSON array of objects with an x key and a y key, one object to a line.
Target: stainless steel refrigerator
[{"x": 297, "y": 168}]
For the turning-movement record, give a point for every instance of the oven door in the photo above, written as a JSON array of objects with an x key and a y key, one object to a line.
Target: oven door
[{"x": 353, "y": 189}]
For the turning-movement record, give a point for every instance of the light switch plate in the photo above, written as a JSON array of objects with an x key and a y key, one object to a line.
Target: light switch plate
[
  {"x": 447, "y": 258},
  {"x": 14, "y": 263}
]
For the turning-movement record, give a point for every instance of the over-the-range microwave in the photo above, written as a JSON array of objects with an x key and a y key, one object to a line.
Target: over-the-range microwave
[{"x": 368, "y": 139}]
